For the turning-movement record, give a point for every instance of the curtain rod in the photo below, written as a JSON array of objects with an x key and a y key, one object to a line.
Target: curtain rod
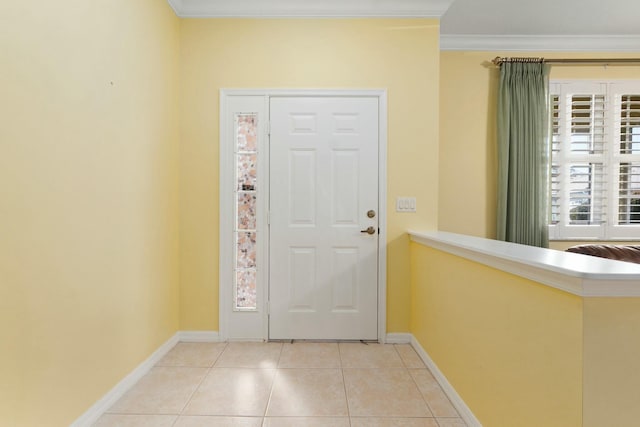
[{"x": 497, "y": 61}]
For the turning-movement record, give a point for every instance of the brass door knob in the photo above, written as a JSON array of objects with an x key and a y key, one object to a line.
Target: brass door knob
[{"x": 369, "y": 230}]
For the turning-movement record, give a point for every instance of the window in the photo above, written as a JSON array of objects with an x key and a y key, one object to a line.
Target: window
[
  {"x": 246, "y": 161},
  {"x": 595, "y": 160}
]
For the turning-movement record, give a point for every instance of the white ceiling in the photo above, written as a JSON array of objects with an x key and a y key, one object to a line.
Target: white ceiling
[
  {"x": 573, "y": 25},
  {"x": 542, "y": 17}
]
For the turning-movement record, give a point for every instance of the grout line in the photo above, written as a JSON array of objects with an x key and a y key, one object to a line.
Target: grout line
[
  {"x": 415, "y": 382},
  {"x": 346, "y": 396},
  {"x": 424, "y": 399},
  {"x": 209, "y": 368},
  {"x": 400, "y": 356},
  {"x": 226, "y": 346},
  {"x": 176, "y": 420},
  {"x": 273, "y": 382},
  {"x": 194, "y": 391},
  {"x": 344, "y": 382}
]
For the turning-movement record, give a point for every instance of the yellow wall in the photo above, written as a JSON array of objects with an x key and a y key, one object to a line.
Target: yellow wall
[
  {"x": 511, "y": 348},
  {"x": 467, "y": 200},
  {"x": 399, "y": 55},
  {"x": 468, "y": 90},
  {"x": 89, "y": 200},
  {"x": 611, "y": 362}
]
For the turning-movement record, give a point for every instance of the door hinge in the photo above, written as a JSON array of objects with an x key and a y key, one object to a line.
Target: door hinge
[
  {"x": 269, "y": 128},
  {"x": 268, "y": 217},
  {"x": 268, "y": 308}
]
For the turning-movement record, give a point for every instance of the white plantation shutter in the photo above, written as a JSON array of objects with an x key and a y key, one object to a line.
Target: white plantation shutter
[
  {"x": 629, "y": 193},
  {"x": 586, "y": 157},
  {"x": 595, "y": 166},
  {"x": 587, "y": 189},
  {"x": 628, "y": 158},
  {"x": 556, "y": 167}
]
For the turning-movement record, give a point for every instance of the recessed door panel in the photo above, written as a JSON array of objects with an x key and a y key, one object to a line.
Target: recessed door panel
[
  {"x": 303, "y": 124},
  {"x": 302, "y": 186},
  {"x": 344, "y": 185},
  {"x": 302, "y": 279},
  {"x": 344, "y": 280},
  {"x": 346, "y": 123}
]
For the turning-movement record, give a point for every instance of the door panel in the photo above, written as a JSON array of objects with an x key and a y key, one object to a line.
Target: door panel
[
  {"x": 302, "y": 185},
  {"x": 323, "y": 280}
]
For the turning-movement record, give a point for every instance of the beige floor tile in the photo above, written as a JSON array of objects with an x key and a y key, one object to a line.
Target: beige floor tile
[
  {"x": 232, "y": 392},
  {"x": 432, "y": 392},
  {"x": 306, "y": 422},
  {"x": 164, "y": 390},
  {"x": 409, "y": 356},
  {"x": 310, "y": 355},
  {"x": 451, "y": 422},
  {"x": 118, "y": 420},
  {"x": 383, "y": 393},
  {"x": 308, "y": 393},
  {"x": 393, "y": 422},
  {"x": 250, "y": 355},
  {"x": 194, "y": 354},
  {"x": 208, "y": 421},
  {"x": 359, "y": 355}
]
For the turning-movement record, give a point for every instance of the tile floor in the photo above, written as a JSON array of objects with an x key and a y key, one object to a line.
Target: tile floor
[{"x": 285, "y": 385}]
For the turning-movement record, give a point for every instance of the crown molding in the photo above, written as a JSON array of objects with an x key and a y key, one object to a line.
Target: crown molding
[
  {"x": 587, "y": 43},
  {"x": 176, "y": 5},
  {"x": 310, "y": 9}
]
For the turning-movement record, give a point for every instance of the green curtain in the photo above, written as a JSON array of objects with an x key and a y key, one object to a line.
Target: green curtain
[{"x": 523, "y": 153}]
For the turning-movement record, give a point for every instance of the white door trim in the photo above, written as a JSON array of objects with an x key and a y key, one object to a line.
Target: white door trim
[{"x": 226, "y": 199}]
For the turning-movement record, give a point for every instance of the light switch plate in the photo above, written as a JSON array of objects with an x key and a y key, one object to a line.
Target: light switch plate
[{"x": 406, "y": 204}]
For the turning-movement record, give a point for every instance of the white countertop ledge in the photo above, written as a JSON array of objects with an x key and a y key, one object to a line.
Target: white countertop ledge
[{"x": 578, "y": 274}]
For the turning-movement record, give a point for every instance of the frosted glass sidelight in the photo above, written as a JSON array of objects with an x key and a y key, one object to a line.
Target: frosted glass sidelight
[
  {"x": 246, "y": 166},
  {"x": 246, "y": 211},
  {"x": 246, "y": 289},
  {"x": 247, "y": 171},
  {"x": 247, "y": 132}
]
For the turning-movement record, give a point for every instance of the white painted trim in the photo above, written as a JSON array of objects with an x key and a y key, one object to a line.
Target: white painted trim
[
  {"x": 226, "y": 224},
  {"x": 319, "y": 92},
  {"x": 452, "y": 394},
  {"x": 309, "y": 9},
  {"x": 101, "y": 406},
  {"x": 249, "y": 325},
  {"x": 586, "y": 43},
  {"x": 578, "y": 274},
  {"x": 199, "y": 336},
  {"x": 225, "y": 257},
  {"x": 382, "y": 215},
  {"x": 398, "y": 338},
  {"x": 264, "y": 223}
]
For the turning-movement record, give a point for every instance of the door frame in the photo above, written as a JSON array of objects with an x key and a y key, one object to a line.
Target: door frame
[{"x": 227, "y": 203}]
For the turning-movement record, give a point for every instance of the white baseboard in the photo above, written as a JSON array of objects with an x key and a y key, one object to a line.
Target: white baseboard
[
  {"x": 398, "y": 338},
  {"x": 101, "y": 406},
  {"x": 452, "y": 394},
  {"x": 199, "y": 336}
]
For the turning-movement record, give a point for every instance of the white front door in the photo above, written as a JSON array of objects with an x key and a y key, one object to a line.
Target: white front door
[{"x": 323, "y": 268}]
